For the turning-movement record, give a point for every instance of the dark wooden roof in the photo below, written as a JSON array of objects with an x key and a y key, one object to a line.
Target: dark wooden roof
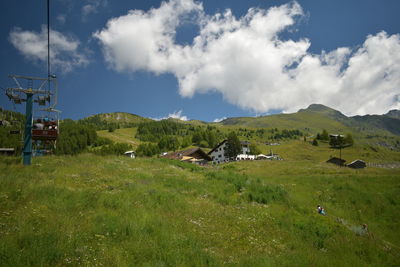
[
  {"x": 195, "y": 152},
  {"x": 357, "y": 164},
  {"x": 336, "y": 161},
  {"x": 217, "y": 146}
]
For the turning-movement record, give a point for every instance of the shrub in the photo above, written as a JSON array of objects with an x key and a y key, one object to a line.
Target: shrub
[{"x": 315, "y": 142}]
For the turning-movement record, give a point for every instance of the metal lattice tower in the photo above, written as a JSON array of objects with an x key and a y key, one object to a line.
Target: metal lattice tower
[{"x": 18, "y": 94}]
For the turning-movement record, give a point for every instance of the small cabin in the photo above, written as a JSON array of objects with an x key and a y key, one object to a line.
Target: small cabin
[
  {"x": 7, "y": 151},
  {"x": 337, "y": 161},
  {"x": 130, "y": 154},
  {"x": 357, "y": 164},
  {"x": 194, "y": 155}
]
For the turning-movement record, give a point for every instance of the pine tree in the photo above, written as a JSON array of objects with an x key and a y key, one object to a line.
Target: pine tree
[
  {"x": 254, "y": 150},
  {"x": 324, "y": 135},
  {"x": 233, "y": 146},
  {"x": 348, "y": 139}
]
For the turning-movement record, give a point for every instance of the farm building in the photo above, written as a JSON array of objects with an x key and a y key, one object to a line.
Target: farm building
[
  {"x": 245, "y": 157},
  {"x": 357, "y": 164},
  {"x": 7, "y": 151},
  {"x": 218, "y": 152},
  {"x": 130, "y": 154},
  {"x": 272, "y": 156},
  {"x": 262, "y": 157},
  {"x": 245, "y": 147},
  {"x": 194, "y": 155},
  {"x": 337, "y": 161}
]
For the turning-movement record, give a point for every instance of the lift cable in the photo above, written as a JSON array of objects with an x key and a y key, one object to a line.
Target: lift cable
[{"x": 48, "y": 44}]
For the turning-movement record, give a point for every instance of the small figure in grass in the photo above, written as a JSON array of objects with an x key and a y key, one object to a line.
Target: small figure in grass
[{"x": 320, "y": 210}]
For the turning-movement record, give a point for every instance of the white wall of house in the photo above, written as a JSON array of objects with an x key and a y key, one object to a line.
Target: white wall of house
[
  {"x": 245, "y": 157},
  {"x": 246, "y": 149},
  {"x": 218, "y": 155}
]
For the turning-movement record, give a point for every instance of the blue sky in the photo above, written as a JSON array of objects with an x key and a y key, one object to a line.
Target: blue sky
[{"x": 261, "y": 57}]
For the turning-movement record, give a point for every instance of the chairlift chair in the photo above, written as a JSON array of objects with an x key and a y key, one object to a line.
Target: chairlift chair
[
  {"x": 45, "y": 130},
  {"x": 16, "y": 98},
  {"x": 41, "y": 100}
]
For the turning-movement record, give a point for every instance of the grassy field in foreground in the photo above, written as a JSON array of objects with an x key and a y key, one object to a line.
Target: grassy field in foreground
[{"x": 114, "y": 211}]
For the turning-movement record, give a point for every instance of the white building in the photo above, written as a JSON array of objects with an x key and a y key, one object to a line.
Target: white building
[
  {"x": 245, "y": 157},
  {"x": 218, "y": 153}
]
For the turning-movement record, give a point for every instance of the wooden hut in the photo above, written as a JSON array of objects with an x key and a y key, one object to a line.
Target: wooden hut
[
  {"x": 336, "y": 161},
  {"x": 193, "y": 155},
  {"x": 7, "y": 151},
  {"x": 357, "y": 164}
]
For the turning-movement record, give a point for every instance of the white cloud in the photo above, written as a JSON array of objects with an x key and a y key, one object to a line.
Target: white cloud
[
  {"x": 92, "y": 6},
  {"x": 245, "y": 60},
  {"x": 64, "y": 50},
  {"x": 178, "y": 115},
  {"x": 220, "y": 119},
  {"x": 175, "y": 115},
  {"x": 145, "y": 40}
]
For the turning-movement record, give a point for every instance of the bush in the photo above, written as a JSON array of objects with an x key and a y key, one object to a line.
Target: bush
[
  {"x": 315, "y": 142},
  {"x": 147, "y": 149}
]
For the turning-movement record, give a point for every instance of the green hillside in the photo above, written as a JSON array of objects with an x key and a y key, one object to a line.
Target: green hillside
[
  {"x": 122, "y": 117},
  {"x": 124, "y": 135},
  {"x": 317, "y": 117},
  {"x": 371, "y": 132},
  {"x": 313, "y": 119},
  {"x": 115, "y": 211},
  {"x": 116, "y": 119}
]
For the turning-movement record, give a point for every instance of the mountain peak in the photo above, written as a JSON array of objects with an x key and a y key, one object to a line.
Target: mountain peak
[
  {"x": 394, "y": 113},
  {"x": 319, "y": 108}
]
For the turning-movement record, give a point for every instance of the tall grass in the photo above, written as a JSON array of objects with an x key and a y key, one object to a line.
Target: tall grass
[{"x": 114, "y": 211}]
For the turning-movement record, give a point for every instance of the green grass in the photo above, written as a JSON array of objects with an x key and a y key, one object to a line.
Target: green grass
[
  {"x": 114, "y": 211},
  {"x": 123, "y": 135}
]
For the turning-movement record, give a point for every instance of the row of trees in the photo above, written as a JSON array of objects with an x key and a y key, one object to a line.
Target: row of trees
[
  {"x": 77, "y": 137},
  {"x": 172, "y": 135},
  {"x": 113, "y": 149},
  {"x": 233, "y": 146},
  {"x": 270, "y": 134},
  {"x": 74, "y": 137}
]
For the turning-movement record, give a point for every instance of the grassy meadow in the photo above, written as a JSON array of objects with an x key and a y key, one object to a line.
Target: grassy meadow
[
  {"x": 123, "y": 135},
  {"x": 114, "y": 211}
]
